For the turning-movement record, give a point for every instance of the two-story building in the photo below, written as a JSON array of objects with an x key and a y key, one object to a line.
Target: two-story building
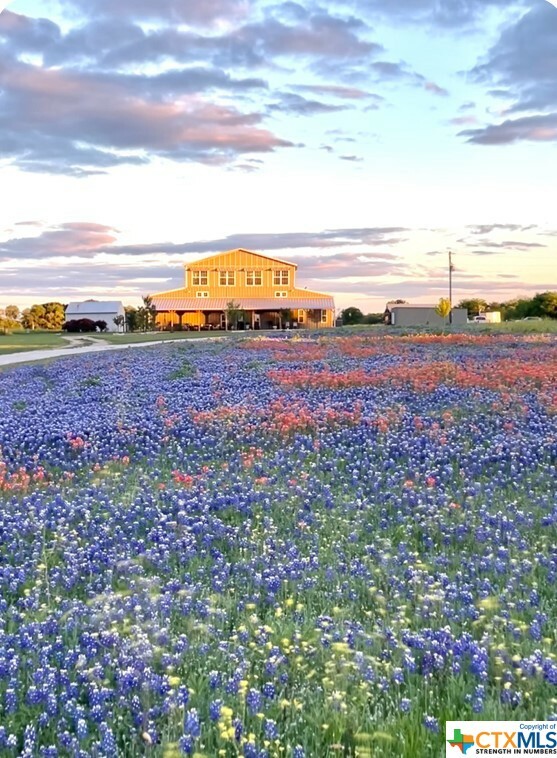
[{"x": 262, "y": 289}]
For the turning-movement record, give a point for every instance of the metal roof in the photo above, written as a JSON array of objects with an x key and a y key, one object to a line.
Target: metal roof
[
  {"x": 95, "y": 306},
  {"x": 392, "y": 306},
  {"x": 199, "y": 261},
  {"x": 247, "y": 303}
]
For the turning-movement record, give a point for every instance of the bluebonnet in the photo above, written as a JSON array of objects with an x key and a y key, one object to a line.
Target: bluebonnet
[{"x": 136, "y": 556}]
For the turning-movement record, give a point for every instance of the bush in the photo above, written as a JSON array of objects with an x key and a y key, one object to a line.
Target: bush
[{"x": 81, "y": 325}]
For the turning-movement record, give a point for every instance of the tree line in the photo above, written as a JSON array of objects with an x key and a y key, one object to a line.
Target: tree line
[
  {"x": 542, "y": 305},
  {"x": 52, "y": 317}
]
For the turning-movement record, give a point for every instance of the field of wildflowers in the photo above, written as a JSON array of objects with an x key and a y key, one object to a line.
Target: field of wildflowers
[{"x": 278, "y": 547}]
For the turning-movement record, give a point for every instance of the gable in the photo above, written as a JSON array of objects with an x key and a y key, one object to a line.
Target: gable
[{"x": 239, "y": 258}]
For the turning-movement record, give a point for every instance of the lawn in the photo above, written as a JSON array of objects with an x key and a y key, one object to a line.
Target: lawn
[
  {"x": 309, "y": 546},
  {"x": 19, "y": 341},
  {"x": 130, "y": 338},
  {"x": 545, "y": 326}
]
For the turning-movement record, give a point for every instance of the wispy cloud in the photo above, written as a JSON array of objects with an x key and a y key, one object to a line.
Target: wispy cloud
[{"x": 84, "y": 239}]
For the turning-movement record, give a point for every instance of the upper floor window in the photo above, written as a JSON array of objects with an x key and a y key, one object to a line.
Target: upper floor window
[
  {"x": 227, "y": 278},
  {"x": 254, "y": 278},
  {"x": 281, "y": 294},
  {"x": 200, "y": 278},
  {"x": 202, "y": 294},
  {"x": 281, "y": 277}
]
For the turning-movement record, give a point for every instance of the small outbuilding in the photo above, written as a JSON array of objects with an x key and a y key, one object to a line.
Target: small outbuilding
[
  {"x": 97, "y": 310},
  {"x": 405, "y": 314}
]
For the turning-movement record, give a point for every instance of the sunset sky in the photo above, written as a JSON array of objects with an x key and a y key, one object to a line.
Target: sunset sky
[{"x": 361, "y": 139}]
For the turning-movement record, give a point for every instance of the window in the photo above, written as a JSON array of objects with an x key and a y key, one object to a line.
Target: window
[
  {"x": 281, "y": 294},
  {"x": 202, "y": 294},
  {"x": 200, "y": 278},
  {"x": 281, "y": 277},
  {"x": 254, "y": 278},
  {"x": 323, "y": 317},
  {"x": 301, "y": 315},
  {"x": 227, "y": 278}
]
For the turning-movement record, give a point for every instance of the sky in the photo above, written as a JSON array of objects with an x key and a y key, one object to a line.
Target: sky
[{"x": 360, "y": 139}]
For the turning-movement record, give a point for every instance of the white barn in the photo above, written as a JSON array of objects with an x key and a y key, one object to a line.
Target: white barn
[{"x": 97, "y": 310}]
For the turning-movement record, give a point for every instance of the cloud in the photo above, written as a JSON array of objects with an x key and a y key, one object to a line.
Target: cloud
[
  {"x": 175, "y": 11},
  {"x": 69, "y": 239},
  {"x": 462, "y": 120},
  {"x": 74, "y": 122},
  {"x": 300, "y": 106},
  {"x": 79, "y": 101},
  {"x": 340, "y": 91},
  {"x": 347, "y": 266},
  {"x": 436, "y": 89},
  {"x": 86, "y": 239},
  {"x": 441, "y": 13},
  {"x": 107, "y": 45},
  {"x": 521, "y": 67},
  {"x": 540, "y": 128},
  {"x": 487, "y": 228},
  {"x": 25, "y": 34},
  {"x": 515, "y": 245}
]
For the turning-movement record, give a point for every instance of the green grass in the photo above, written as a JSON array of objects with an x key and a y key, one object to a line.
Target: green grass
[
  {"x": 545, "y": 326},
  {"x": 125, "y": 339},
  {"x": 20, "y": 341}
]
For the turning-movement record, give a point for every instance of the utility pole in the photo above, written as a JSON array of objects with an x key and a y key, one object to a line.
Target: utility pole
[{"x": 451, "y": 269}]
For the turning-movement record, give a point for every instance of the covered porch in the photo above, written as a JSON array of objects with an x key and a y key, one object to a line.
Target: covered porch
[{"x": 210, "y": 314}]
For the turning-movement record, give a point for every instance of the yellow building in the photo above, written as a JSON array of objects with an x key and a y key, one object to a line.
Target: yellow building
[{"x": 263, "y": 288}]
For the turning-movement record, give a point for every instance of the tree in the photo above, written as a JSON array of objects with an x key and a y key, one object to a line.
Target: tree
[
  {"x": 474, "y": 306},
  {"x": 146, "y": 315},
  {"x": 9, "y": 318},
  {"x": 352, "y": 316},
  {"x": 544, "y": 304},
  {"x": 443, "y": 308},
  {"x": 285, "y": 317},
  {"x": 54, "y": 316},
  {"x": 101, "y": 325},
  {"x": 141, "y": 317},
  {"x": 12, "y": 312},
  {"x": 520, "y": 308},
  {"x": 119, "y": 321},
  {"x": 132, "y": 320},
  {"x": 45, "y": 316},
  {"x": 232, "y": 314},
  {"x": 32, "y": 317},
  {"x": 150, "y": 313},
  {"x": 374, "y": 318}
]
